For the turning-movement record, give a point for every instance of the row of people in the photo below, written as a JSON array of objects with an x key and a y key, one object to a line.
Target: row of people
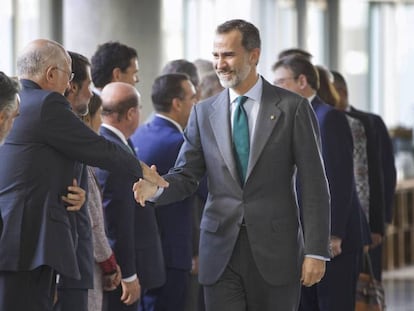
[{"x": 256, "y": 244}]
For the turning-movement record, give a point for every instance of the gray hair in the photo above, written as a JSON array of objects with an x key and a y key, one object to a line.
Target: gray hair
[{"x": 37, "y": 56}]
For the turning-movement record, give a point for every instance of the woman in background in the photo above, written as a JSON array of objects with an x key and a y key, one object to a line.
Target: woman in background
[{"x": 107, "y": 274}]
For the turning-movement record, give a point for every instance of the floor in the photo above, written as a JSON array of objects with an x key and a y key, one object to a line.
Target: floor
[{"x": 399, "y": 289}]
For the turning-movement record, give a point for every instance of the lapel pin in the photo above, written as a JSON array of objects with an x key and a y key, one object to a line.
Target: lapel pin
[{"x": 272, "y": 117}]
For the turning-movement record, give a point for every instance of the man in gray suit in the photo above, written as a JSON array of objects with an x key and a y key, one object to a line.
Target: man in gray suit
[{"x": 254, "y": 249}]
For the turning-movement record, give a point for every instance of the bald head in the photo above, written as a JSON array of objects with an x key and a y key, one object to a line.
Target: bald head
[
  {"x": 120, "y": 103},
  {"x": 47, "y": 63},
  {"x": 38, "y": 55},
  {"x": 115, "y": 95}
]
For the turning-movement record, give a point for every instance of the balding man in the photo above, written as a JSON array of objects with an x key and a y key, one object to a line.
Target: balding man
[
  {"x": 132, "y": 231},
  {"x": 37, "y": 165},
  {"x": 9, "y": 104}
]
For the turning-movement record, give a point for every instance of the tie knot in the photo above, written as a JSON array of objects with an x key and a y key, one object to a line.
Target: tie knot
[{"x": 240, "y": 100}]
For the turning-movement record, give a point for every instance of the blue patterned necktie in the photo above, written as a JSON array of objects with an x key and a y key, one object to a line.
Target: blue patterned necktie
[{"x": 241, "y": 140}]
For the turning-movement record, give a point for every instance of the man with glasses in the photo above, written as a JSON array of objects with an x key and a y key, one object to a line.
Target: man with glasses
[
  {"x": 37, "y": 165},
  {"x": 336, "y": 291}
]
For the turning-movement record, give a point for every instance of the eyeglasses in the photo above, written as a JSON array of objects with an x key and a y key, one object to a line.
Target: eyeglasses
[
  {"x": 283, "y": 80},
  {"x": 71, "y": 75}
]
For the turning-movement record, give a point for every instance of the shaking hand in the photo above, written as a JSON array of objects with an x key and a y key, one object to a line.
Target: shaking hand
[{"x": 143, "y": 190}]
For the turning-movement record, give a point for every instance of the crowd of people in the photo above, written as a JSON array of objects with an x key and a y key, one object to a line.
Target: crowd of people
[{"x": 237, "y": 194}]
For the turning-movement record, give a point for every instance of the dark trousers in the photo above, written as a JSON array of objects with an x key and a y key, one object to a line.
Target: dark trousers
[
  {"x": 241, "y": 287},
  {"x": 169, "y": 297},
  {"x": 27, "y": 290},
  {"x": 70, "y": 299},
  {"x": 112, "y": 301},
  {"x": 337, "y": 289},
  {"x": 376, "y": 261}
]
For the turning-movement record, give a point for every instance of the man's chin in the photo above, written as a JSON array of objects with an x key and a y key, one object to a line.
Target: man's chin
[{"x": 227, "y": 83}]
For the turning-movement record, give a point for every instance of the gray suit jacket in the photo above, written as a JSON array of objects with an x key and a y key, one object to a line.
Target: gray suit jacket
[{"x": 286, "y": 141}]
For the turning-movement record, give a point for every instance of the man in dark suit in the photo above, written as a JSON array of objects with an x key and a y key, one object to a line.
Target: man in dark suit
[
  {"x": 132, "y": 231},
  {"x": 158, "y": 142},
  {"x": 254, "y": 249},
  {"x": 9, "y": 104},
  {"x": 73, "y": 293},
  {"x": 381, "y": 172},
  {"x": 37, "y": 165},
  {"x": 336, "y": 291}
]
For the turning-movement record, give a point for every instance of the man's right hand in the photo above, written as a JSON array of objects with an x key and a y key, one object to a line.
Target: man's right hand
[
  {"x": 131, "y": 291},
  {"x": 150, "y": 174},
  {"x": 143, "y": 190}
]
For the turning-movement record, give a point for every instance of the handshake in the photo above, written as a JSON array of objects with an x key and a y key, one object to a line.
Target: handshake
[{"x": 147, "y": 187}]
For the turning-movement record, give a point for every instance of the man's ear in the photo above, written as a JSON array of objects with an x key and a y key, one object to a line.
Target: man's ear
[
  {"x": 116, "y": 74},
  {"x": 176, "y": 104},
  {"x": 302, "y": 81},
  {"x": 51, "y": 72}
]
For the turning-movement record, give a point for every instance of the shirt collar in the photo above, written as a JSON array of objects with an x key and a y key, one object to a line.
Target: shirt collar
[
  {"x": 255, "y": 93},
  {"x": 116, "y": 132},
  {"x": 312, "y": 97}
]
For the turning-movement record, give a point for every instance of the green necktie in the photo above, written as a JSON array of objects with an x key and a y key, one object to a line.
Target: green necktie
[{"x": 241, "y": 140}]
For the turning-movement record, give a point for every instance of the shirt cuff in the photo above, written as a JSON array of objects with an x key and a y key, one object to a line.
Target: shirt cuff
[
  {"x": 130, "y": 278},
  {"x": 318, "y": 257},
  {"x": 157, "y": 194}
]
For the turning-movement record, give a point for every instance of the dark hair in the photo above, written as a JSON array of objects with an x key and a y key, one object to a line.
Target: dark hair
[
  {"x": 94, "y": 104},
  {"x": 8, "y": 90},
  {"x": 107, "y": 57},
  {"x": 250, "y": 33},
  {"x": 299, "y": 65},
  {"x": 327, "y": 91},
  {"x": 79, "y": 65},
  {"x": 339, "y": 79},
  {"x": 165, "y": 88},
  {"x": 295, "y": 51},
  {"x": 183, "y": 66}
]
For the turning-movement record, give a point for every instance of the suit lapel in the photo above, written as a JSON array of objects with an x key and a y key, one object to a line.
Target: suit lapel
[
  {"x": 220, "y": 123},
  {"x": 108, "y": 134},
  {"x": 267, "y": 119}
]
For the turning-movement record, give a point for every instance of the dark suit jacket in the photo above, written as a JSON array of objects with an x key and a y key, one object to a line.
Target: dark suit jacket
[
  {"x": 337, "y": 151},
  {"x": 82, "y": 235},
  {"x": 384, "y": 165},
  {"x": 158, "y": 142},
  {"x": 132, "y": 230},
  {"x": 286, "y": 141},
  {"x": 36, "y": 167}
]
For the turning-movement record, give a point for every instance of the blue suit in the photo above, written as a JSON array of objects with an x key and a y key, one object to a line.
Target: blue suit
[
  {"x": 132, "y": 231},
  {"x": 336, "y": 291},
  {"x": 158, "y": 142},
  {"x": 37, "y": 164}
]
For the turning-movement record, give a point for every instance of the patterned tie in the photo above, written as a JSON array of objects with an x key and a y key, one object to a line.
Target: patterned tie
[{"x": 241, "y": 140}]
